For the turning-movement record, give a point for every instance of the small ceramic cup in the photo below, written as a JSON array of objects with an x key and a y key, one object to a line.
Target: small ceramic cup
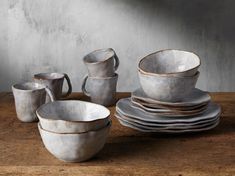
[
  {"x": 29, "y": 97},
  {"x": 54, "y": 81},
  {"x": 101, "y": 63},
  {"x": 101, "y": 90}
]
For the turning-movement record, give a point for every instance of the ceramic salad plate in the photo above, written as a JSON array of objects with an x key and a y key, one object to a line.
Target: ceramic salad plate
[
  {"x": 170, "y": 112},
  {"x": 195, "y": 98}
]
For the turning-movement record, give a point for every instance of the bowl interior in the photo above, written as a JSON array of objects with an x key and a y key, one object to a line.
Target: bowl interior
[
  {"x": 99, "y": 55},
  {"x": 49, "y": 76},
  {"x": 73, "y": 111},
  {"x": 28, "y": 86},
  {"x": 169, "y": 61}
]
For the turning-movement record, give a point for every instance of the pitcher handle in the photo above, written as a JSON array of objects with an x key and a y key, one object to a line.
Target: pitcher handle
[
  {"x": 50, "y": 94},
  {"x": 84, "y": 86},
  {"x": 69, "y": 86},
  {"x": 116, "y": 61}
]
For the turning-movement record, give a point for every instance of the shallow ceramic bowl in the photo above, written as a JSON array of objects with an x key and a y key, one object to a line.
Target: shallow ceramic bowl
[
  {"x": 76, "y": 147},
  {"x": 72, "y": 116},
  {"x": 170, "y": 62},
  {"x": 165, "y": 88}
]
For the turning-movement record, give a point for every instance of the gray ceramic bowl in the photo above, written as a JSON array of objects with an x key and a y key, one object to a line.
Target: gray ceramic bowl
[
  {"x": 170, "y": 62},
  {"x": 167, "y": 88},
  {"x": 72, "y": 116},
  {"x": 74, "y": 147}
]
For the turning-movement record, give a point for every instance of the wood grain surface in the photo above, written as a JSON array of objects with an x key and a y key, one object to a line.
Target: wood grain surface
[{"x": 127, "y": 152}]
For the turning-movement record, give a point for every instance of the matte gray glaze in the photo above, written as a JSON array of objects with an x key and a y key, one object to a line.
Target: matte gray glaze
[
  {"x": 170, "y": 62},
  {"x": 170, "y": 131},
  {"x": 167, "y": 88},
  {"x": 124, "y": 107},
  {"x": 101, "y": 63},
  {"x": 195, "y": 97},
  {"x": 76, "y": 147},
  {"x": 102, "y": 90},
  {"x": 28, "y": 97},
  {"x": 166, "y": 125},
  {"x": 55, "y": 82},
  {"x": 172, "y": 112},
  {"x": 72, "y": 116},
  {"x": 164, "y": 109}
]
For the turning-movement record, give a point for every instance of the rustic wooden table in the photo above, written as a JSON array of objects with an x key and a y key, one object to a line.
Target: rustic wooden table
[{"x": 127, "y": 152}]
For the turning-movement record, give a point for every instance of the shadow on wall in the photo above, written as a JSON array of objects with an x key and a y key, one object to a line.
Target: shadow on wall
[{"x": 204, "y": 27}]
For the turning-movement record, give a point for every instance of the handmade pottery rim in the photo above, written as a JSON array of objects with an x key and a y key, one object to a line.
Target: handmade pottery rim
[
  {"x": 86, "y": 132},
  {"x": 170, "y": 73},
  {"x": 103, "y": 78},
  {"x": 41, "y": 76},
  {"x": 71, "y": 121},
  {"x": 97, "y": 62},
  {"x": 28, "y": 90},
  {"x": 170, "y": 76}
]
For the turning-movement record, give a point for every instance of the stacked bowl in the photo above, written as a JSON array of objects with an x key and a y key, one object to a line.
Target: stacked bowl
[
  {"x": 168, "y": 100},
  {"x": 73, "y": 131}
]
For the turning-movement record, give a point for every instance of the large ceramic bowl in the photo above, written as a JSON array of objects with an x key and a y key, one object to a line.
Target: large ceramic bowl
[
  {"x": 167, "y": 88},
  {"x": 72, "y": 116},
  {"x": 75, "y": 147},
  {"x": 169, "y": 63}
]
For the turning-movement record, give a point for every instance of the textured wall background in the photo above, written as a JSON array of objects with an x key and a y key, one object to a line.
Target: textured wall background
[{"x": 54, "y": 35}]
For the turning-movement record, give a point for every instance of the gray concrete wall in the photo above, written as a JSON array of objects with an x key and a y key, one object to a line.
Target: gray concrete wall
[{"x": 54, "y": 35}]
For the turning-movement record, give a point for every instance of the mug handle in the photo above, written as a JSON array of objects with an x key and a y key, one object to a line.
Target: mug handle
[
  {"x": 69, "y": 85},
  {"x": 50, "y": 94},
  {"x": 84, "y": 86},
  {"x": 116, "y": 61}
]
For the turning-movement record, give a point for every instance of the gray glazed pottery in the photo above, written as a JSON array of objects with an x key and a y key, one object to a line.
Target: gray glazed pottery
[
  {"x": 166, "y": 126},
  {"x": 124, "y": 107},
  {"x": 74, "y": 147},
  {"x": 172, "y": 113},
  {"x": 167, "y": 88},
  {"x": 101, "y": 63},
  {"x": 72, "y": 116},
  {"x": 55, "y": 82},
  {"x": 170, "y": 62},
  {"x": 28, "y": 97},
  {"x": 101, "y": 90},
  {"x": 195, "y": 98},
  {"x": 138, "y": 127}
]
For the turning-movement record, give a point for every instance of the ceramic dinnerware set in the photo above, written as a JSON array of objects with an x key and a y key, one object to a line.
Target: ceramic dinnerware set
[
  {"x": 168, "y": 101},
  {"x": 101, "y": 79},
  {"x": 72, "y": 131}
]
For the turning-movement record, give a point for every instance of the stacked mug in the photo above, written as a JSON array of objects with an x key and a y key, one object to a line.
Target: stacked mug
[
  {"x": 101, "y": 65},
  {"x": 29, "y": 96}
]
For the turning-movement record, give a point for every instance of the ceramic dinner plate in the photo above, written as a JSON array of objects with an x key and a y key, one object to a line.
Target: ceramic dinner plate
[
  {"x": 174, "y": 131},
  {"x": 186, "y": 127},
  {"x": 168, "y": 112},
  {"x": 197, "y": 97},
  {"x": 166, "y": 125},
  {"x": 124, "y": 107}
]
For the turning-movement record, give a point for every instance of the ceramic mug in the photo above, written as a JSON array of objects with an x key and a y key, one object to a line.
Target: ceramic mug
[
  {"x": 29, "y": 97},
  {"x": 54, "y": 81},
  {"x": 102, "y": 90},
  {"x": 101, "y": 63}
]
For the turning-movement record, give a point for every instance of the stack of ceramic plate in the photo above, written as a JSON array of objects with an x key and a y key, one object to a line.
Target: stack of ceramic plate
[
  {"x": 168, "y": 101},
  {"x": 194, "y": 113}
]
